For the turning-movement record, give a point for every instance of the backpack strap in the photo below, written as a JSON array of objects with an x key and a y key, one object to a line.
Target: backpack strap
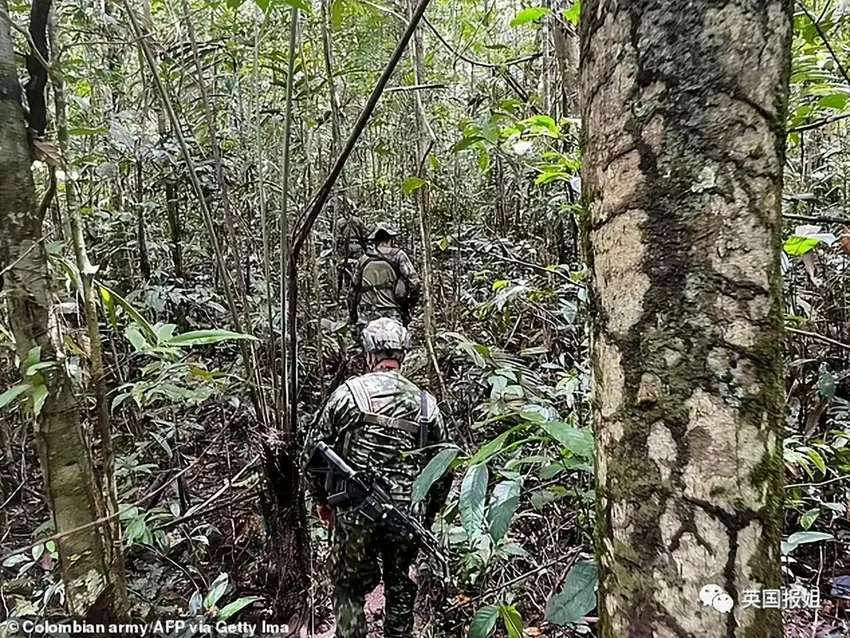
[{"x": 364, "y": 405}]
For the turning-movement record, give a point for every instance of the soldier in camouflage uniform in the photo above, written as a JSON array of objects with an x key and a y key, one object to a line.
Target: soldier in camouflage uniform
[
  {"x": 378, "y": 420},
  {"x": 384, "y": 284},
  {"x": 351, "y": 242}
]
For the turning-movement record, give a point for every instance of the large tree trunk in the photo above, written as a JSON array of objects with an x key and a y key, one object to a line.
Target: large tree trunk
[
  {"x": 91, "y": 589},
  {"x": 683, "y": 106}
]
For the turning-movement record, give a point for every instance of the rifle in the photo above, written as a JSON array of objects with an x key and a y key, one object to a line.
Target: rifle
[{"x": 369, "y": 491}]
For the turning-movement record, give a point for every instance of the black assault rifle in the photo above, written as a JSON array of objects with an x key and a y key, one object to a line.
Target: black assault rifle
[{"x": 369, "y": 492}]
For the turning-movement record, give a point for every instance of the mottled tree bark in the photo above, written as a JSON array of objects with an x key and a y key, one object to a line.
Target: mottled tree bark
[
  {"x": 683, "y": 104},
  {"x": 90, "y": 588}
]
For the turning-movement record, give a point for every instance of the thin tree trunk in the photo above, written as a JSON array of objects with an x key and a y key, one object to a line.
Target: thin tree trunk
[
  {"x": 425, "y": 143},
  {"x": 683, "y": 158},
  {"x": 93, "y": 587}
]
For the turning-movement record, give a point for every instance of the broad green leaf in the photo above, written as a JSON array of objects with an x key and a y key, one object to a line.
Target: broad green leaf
[
  {"x": 466, "y": 142},
  {"x": 503, "y": 504},
  {"x": 529, "y": 15},
  {"x": 234, "y": 4},
  {"x": 217, "y": 590},
  {"x": 263, "y": 4},
  {"x": 826, "y": 385},
  {"x": 491, "y": 448},
  {"x": 15, "y": 559},
  {"x": 109, "y": 302},
  {"x": 435, "y": 469},
  {"x": 337, "y": 12},
  {"x": 165, "y": 332},
  {"x": 808, "y": 519},
  {"x": 541, "y": 498},
  {"x": 512, "y": 620},
  {"x": 135, "y": 337},
  {"x": 472, "y": 491},
  {"x": 82, "y": 130},
  {"x": 572, "y": 14},
  {"x": 39, "y": 396},
  {"x": 579, "y": 441},
  {"x": 484, "y": 622},
  {"x": 817, "y": 459},
  {"x": 13, "y": 393},
  {"x": 548, "y": 178},
  {"x": 834, "y": 101},
  {"x": 577, "y": 598},
  {"x": 483, "y": 159},
  {"x": 206, "y": 337},
  {"x": 542, "y": 123},
  {"x": 135, "y": 315},
  {"x": 797, "y": 246},
  {"x": 412, "y": 184},
  {"x": 801, "y": 538},
  {"x": 236, "y": 606}
]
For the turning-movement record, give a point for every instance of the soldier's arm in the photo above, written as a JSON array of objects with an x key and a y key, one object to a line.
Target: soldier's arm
[
  {"x": 439, "y": 492},
  {"x": 325, "y": 428}
]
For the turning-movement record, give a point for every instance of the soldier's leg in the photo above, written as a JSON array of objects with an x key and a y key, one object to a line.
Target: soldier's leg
[
  {"x": 398, "y": 554},
  {"x": 354, "y": 571}
]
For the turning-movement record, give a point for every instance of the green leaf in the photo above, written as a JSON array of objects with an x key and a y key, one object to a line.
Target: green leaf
[
  {"x": 135, "y": 315},
  {"x": 579, "y": 441},
  {"x": 542, "y": 123},
  {"x": 512, "y": 620},
  {"x": 484, "y": 622},
  {"x": 808, "y": 519},
  {"x": 412, "y": 184},
  {"x": 817, "y": 459},
  {"x": 797, "y": 246},
  {"x": 135, "y": 337},
  {"x": 236, "y": 606},
  {"x": 541, "y": 498},
  {"x": 13, "y": 393},
  {"x": 826, "y": 385},
  {"x": 472, "y": 491},
  {"x": 572, "y": 14},
  {"x": 834, "y": 101},
  {"x": 483, "y": 160},
  {"x": 529, "y": 15},
  {"x": 205, "y": 337},
  {"x": 503, "y": 504},
  {"x": 548, "y": 178},
  {"x": 466, "y": 142},
  {"x": 801, "y": 538},
  {"x": 82, "y": 130},
  {"x": 39, "y": 396},
  {"x": 491, "y": 448},
  {"x": 217, "y": 590},
  {"x": 337, "y": 12},
  {"x": 234, "y": 4},
  {"x": 435, "y": 469},
  {"x": 165, "y": 332},
  {"x": 577, "y": 598}
]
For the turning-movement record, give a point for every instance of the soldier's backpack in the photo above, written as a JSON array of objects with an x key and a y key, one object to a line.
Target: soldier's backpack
[
  {"x": 381, "y": 271},
  {"x": 368, "y": 416}
]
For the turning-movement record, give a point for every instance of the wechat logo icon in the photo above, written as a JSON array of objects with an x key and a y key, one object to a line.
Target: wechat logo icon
[{"x": 715, "y": 596}]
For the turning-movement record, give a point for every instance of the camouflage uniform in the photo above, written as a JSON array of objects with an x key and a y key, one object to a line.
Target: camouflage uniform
[
  {"x": 378, "y": 286},
  {"x": 383, "y": 439}
]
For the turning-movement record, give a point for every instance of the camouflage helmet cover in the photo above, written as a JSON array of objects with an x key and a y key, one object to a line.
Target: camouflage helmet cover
[
  {"x": 383, "y": 228},
  {"x": 385, "y": 335}
]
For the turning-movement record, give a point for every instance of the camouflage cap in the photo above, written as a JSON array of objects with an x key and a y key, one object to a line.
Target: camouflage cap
[
  {"x": 385, "y": 229},
  {"x": 383, "y": 335}
]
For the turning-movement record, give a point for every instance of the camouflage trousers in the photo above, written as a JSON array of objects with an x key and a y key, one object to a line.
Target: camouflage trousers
[{"x": 356, "y": 548}]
